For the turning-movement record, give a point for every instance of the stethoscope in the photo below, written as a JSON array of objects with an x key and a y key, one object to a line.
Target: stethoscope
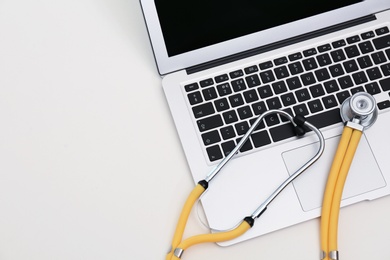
[
  {"x": 179, "y": 245},
  {"x": 358, "y": 113}
]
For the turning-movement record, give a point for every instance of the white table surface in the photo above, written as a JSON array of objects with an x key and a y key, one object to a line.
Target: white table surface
[{"x": 90, "y": 163}]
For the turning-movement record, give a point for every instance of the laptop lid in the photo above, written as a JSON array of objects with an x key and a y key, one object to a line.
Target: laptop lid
[{"x": 188, "y": 33}]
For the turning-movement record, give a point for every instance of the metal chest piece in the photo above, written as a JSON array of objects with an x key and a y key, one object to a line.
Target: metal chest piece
[{"x": 360, "y": 107}]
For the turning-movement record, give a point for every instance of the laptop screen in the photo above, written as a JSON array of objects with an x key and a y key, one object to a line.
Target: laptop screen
[{"x": 190, "y": 25}]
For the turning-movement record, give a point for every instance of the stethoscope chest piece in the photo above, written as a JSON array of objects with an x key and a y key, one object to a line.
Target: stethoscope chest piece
[{"x": 362, "y": 107}]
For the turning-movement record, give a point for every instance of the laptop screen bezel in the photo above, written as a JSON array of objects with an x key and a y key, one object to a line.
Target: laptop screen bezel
[{"x": 166, "y": 64}]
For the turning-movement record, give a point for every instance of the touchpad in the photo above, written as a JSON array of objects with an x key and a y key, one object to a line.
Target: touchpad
[{"x": 364, "y": 174}]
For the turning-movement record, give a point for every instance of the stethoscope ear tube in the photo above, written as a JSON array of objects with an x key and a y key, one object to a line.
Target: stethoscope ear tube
[{"x": 179, "y": 245}]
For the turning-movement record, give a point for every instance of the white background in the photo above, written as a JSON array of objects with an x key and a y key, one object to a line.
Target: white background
[{"x": 90, "y": 163}]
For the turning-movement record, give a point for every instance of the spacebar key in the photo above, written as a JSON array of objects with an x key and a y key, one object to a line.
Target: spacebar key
[{"x": 327, "y": 118}]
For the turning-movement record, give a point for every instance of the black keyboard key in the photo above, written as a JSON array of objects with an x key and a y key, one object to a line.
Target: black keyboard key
[
  {"x": 366, "y": 47},
  {"x": 353, "y": 39},
  {"x": 367, "y": 35},
  {"x": 191, "y": 87},
  {"x": 206, "y": 82},
  {"x": 359, "y": 77},
  {"x": 317, "y": 90},
  {"x": 251, "y": 96},
  {"x": 221, "y": 104},
  {"x": 259, "y": 108},
  {"x": 266, "y": 65},
  {"x": 238, "y": 85},
  {"x": 224, "y": 89},
  {"x": 281, "y": 72},
  {"x": 301, "y": 110},
  {"x": 373, "y": 73},
  {"x": 265, "y": 91},
  {"x": 230, "y": 117},
  {"x": 267, "y": 76},
  {"x": 221, "y": 78},
  {"x": 211, "y": 138},
  {"x": 227, "y": 132},
  {"x": 244, "y": 112},
  {"x": 295, "y": 68},
  {"x": 364, "y": 62},
  {"x": 345, "y": 82},
  {"x": 295, "y": 56},
  {"x": 373, "y": 88},
  {"x": 308, "y": 78},
  {"x": 385, "y": 84},
  {"x": 302, "y": 95},
  {"x": 274, "y": 103},
  {"x": 209, "y": 93},
  {"x": 310, "y": 64},
  {"x": 288, "y": 111},
  {"x": 280, "y": 61},
  {"x": 279, "y": 87},
  {"x": 382, "y": 30},
  {"x": 251, "y": 69},
  {"x": 331, "y": 86},
  {"x": 338, "y": 55},
  {"x": 260, "y": 139},
  {"x": 261, "y": 124},
  {"x": 246, "y": 147},
  {"x": 282, "y": 132},
  {"x": 236, "y": 74},
  {"x": 339, "y": 43},
  {"x": 315, "y": 106},
  {"x": 327, "y": 118},
  {"x": 272, "y": 120},
  {"x": 322, "y": 74},
  {"x": 252, "y": 80},
  {"x": 378, "y": 57},
  {"x": 227, "y": 147},
  {"x": 386, "y": 69},
  {"x": 293, "y": 83},
  {"x": 356, "y": 90},
  {"x": 352, "y": 51},
  {"x": 384, "y": 104},
  {"x": 236, "y": 100},
  {"x": 382, "y": 42},
  {"x": 329, "y": 101},
  {"x": 288, "y": 99},
  {"x": 350, "y": 66},
  {"x": 203, "y": 110},
  {"x": 195, "y": 98},
  {"x": 324, "y": 59},
  {"x": 214, "y": 153},
  {"x": 325, "y": 47},
  {"x": 309, "y": 52},
  {"x": 242, "y": 127},
  {"x": 209, "y": 123},
  {"x": 343, "y": 95},
  {"x": 336, "y": 70}
]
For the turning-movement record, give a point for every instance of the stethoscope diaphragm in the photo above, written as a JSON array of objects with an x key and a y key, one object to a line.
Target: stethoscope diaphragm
[{"x": 362, "y": 107}]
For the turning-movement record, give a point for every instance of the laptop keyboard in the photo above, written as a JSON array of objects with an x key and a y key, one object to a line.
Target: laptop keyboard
[{"x": 313, "y": 83}]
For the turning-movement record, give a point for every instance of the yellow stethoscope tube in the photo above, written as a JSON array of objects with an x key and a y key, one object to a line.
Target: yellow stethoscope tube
[
  {"x": 334, "y": 189},
  {"x": 358, "y": 112}
]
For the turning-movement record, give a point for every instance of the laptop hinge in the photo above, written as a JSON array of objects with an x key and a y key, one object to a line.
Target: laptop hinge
[{"x": 279, "y": 44}]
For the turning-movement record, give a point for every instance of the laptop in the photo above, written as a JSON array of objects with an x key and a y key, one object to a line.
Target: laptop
[{"x": 223, "y": 63}]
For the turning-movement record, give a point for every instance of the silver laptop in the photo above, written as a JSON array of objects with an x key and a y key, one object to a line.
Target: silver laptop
[{"x": 225, "y": 62}]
